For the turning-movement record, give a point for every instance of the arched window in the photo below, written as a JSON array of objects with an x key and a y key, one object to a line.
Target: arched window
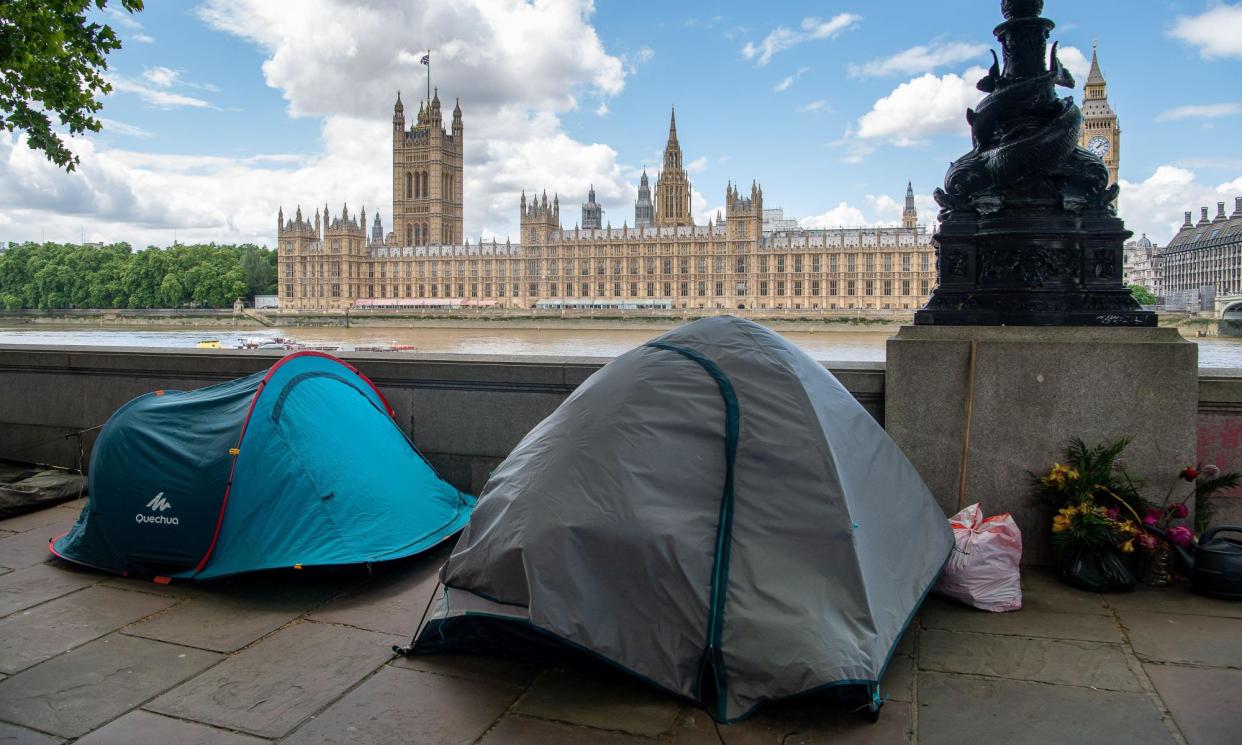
[
  {"x": 409, "y": 234},
  {"x": 409, "y": 188},
  {"x": 426, "y": 190}
]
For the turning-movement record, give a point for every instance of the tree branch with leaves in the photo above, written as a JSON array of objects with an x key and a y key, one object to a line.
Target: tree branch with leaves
[{"x": 51, "y": 64}]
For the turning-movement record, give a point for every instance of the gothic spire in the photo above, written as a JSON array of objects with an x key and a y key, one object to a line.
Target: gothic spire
[{"x": 1095, "y": 77}]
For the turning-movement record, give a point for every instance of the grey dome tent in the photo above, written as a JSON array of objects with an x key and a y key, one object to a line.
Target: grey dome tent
[{"x": 712, "y": 512}]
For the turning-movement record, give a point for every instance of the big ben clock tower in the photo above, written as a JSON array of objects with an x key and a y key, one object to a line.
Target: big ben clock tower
[{"x": 1101, "y": 134}]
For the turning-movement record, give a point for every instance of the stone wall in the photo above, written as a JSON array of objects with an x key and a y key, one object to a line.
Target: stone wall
[
  {"x": 1220, "y": 435},
  {"x": 464, "y": 412}
]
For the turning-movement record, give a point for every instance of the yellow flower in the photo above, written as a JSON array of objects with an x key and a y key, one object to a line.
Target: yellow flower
[
  {"x": 1069, "y": 512},
  {"x": 1058, "y": 475},
  {"x": 1128, "y": 527},
  {"x": 1128, "y": 546},
  {"x": 1060, "y": 523}
]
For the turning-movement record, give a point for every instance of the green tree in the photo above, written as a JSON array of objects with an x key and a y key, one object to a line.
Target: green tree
[
  {"x": 1143, "y": 295},
  {"x": 51, "y": 62},
  {"x": 258, "y": 273}
]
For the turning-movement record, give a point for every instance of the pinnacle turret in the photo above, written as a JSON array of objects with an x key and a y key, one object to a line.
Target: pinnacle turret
[{"x": 1095, "y": 77}]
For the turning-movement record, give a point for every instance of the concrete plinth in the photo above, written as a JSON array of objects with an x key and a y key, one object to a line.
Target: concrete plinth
[{"x": 1034, "y": 390}]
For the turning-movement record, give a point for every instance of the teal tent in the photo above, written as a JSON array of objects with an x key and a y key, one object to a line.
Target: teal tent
[{"x": 301, "y": 465}]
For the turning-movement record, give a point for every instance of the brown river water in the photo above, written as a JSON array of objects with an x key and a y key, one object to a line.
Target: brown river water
[{"x": 826, "y": 345}]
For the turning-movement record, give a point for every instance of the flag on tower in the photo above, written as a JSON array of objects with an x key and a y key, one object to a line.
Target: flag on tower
[{"x": 427, "y": 59}]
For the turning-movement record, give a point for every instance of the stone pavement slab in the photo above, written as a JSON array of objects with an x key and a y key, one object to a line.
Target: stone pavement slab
[
  {"x": 174, "y": 589},
  {"x": 224, "y": 617},
  {"x": 938, "y": 613},
  {"x": 58, "y": 519},
  {"x": 138, "y": 727},
  {"x": 1205, "y": 702},
  {"x": 898, "y": 682},
  {"x": 25, "y": 549},
  {"x": 393, "y": 601},
  {"x": 954, "y": 710},
  {"x": 33, "y": 585},
  {"x": 1042, "y": 591},
  {"x": 471, "y": 667},
  {"x": 403, "y": 706},
  {"x": 1176, "y": 598},
  {"x": 14, "y": 735},
  {"x": 1176, "y": 637},
  {"x": 32, "y": 636},
  {"x": 1044, "y": 660},
  {"x": 601, "y": 698},
  {"x": 81, "y": 690},
  {"x": 268, "y": 689},
  {"x": 522, "y": 731},
  {"x": 816, "y": 720}
]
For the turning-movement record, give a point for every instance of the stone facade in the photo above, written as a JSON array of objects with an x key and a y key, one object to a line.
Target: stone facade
[
  {"x": 1101, "y": 132},
  {"x": 1142, "y": 265},
  {"x": 1207, "y": 253},
  {"x": 665, "y": 261}
]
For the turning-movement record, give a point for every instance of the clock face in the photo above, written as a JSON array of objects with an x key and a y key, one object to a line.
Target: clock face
[{"x": 1099, "y": 146}]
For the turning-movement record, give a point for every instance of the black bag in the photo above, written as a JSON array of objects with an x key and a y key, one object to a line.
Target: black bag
[{"x": 1095, "y": 569}]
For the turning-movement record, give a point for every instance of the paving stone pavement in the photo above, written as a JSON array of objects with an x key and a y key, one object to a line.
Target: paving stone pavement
[{"x": 303, "y": 658}]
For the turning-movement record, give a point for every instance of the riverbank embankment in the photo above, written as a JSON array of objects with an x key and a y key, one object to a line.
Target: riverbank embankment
[{"x": 780, "y": 319}]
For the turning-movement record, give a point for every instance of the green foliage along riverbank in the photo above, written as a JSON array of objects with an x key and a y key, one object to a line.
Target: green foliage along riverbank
[{"x": 48, "y": 276}]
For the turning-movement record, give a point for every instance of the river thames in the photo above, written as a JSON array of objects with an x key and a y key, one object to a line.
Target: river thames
[{"x": 826, "y": 345}]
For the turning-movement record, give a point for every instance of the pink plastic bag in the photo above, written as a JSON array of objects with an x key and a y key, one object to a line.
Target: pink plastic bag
[{"x": 983, "y": 570}]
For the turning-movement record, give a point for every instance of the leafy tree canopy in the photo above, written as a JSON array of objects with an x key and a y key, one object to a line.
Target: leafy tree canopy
[
  {"x": 51, "y": 276},
  {"x": 1143, "y": 295},
  {"x": 51, "y": 62}
]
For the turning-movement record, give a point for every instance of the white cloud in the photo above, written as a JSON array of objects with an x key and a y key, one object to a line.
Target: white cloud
[
  {"x": 161, "y": 77},
  {"x": 698, "y": 165},
  {"x": 112, "y": 126},
  {"x": 1156, "y": 205},
  {"x": 1217, "y": 32},
  {"x": 922, "y": 108},
  {"x": 786, "y": 83},
  {"x": 158, "y": 98},
  {"x": 602, "y": 109},
  {"x": 812, "y": 106},
  {"x": 1076, "y": 62},
  {"x": 923, "y": 58},
  {"x": 841, "y": 216},
  {"x": 125, "y": 20},
  {"x": 166, "y": 77},
  {"x": 516, "y": 67},
  {"x": 882, "y": 210},
  {"x": 1200, "y": 111},
  {"x": 782, "y": 38}
]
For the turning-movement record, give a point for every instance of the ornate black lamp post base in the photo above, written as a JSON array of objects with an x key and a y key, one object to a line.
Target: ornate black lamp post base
[{"x": 1029, "y": 235}]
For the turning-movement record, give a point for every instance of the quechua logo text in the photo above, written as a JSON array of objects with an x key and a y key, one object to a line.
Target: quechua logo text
[{"x": 157, "y": 505}]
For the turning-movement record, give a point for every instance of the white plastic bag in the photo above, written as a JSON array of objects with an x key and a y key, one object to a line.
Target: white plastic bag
[{"x": 983, "y": 570}]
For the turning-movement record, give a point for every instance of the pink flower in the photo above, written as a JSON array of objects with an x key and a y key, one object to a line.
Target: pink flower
[
  {"x": 1148, "y": 542},
  {"x": 1112, "y": 513},
  {"x": 1210, "y": 471},
  {"x": 1178, "y": 510},
  {"x": 1152, "y": 517},
  {"x": 1188, "y": 473},
  {"x": 1181, "y": 535}
]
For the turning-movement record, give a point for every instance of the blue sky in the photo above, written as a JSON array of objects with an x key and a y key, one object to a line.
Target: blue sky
[{"x": 226, "y": 109}]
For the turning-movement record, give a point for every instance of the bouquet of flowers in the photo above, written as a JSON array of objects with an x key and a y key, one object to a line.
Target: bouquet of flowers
[{"x": 1099, "y": 515}]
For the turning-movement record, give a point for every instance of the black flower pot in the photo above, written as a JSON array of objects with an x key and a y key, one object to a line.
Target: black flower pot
[{"x": 1095, "y": 569}]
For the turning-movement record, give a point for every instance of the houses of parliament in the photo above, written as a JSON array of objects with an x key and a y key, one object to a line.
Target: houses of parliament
[
  {"x": 747, "y": 258},
  {"x": 662, "y": 260}
]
